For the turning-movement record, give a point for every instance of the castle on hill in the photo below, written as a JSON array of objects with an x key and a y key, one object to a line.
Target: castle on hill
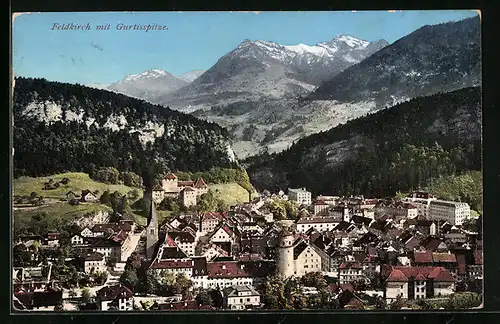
[{"x": 186, "y": 191}]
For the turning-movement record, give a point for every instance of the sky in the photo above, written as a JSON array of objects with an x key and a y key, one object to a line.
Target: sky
[{"x": 194, "y": 40}]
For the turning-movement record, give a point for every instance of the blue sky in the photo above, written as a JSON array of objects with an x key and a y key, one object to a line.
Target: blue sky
[{"x": 194, "y": 40}]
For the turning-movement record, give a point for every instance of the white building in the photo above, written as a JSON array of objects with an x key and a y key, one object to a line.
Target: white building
[
  {"x": 417, "y": 282},
  {"x": 210, "y": 220},
  {"x": 241, "y": 297},
  {"x": 87, "y": 232},
  {"x": 95, "y": 262},
  {"x": 320, "y": 207},
  {"x": 421, "y": 200},
  {"x": 301, "y": 196},
  {"x": 350, "y": 272},
  {"x": 118, "y": 297},
  {"x": 76, "y": 240},
  {"x": 296, "y": 258},
  {"x": 321, "y": 224},
  {"x": 450, "y": 211}
]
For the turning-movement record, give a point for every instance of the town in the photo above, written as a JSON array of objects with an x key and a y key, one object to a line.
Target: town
[{"x": 408, "y": 252}]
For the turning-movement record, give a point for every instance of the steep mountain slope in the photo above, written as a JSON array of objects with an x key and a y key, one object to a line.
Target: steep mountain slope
[
  {"x": 148, "y": 85},
  {"x": 64, "y": 127},
  {"x": 191, "y": 75},
  {"x": 399, "y": 148},
  {"x": 260, "y": 68},
  {"x": 432, "y": 59}
]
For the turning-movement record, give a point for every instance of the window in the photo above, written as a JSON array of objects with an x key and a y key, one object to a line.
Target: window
[
  {"x": 248, "y": 299},
  {"x": 241, "y": 300}
]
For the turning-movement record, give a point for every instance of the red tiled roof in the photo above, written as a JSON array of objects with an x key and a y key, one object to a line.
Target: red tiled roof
[
  {"x": 423, "y": 257},
  {"x": 168, "y": 264},
  {"x": 200, "y": 183},
  {"x": 351, "y": 265},
  {"x": 226, "y": 269},
  {"x": 335, "y": 287},
  {"x": 112, "y": 292},
  {"x": 444, "y": 257},
  {"x": 441, "y": 274},
  {"x": 397, "y": 275},
  {"x": 420, "y": 277},
  {"x": 436, "y": 273},
  {"x": 170, "y": 176},
  {"x": 188, "y": 189},
  {"x": 319, "y": 203}
]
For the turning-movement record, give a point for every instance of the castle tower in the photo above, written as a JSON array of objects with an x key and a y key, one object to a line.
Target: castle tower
[
  {"x": 151, "y": 231},
  {"x": 285, "y": 266},
  {"x": 170, "y": 183}
]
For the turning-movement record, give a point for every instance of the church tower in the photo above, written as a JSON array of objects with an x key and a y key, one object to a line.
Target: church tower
[
  {"x": 285, "y": 266},
  {"x": 151, "y": 231}
]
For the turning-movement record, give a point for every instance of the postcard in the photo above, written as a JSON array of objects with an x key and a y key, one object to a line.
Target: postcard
[{"x": 246, "y": 161}]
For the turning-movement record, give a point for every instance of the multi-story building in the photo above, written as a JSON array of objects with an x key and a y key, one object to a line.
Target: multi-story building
[
  {"x": 240, "y": 298},
  {"x": 449, "y": 211},
  {"x": 350, "y": 272},
  {"x": 421, "y": 200},
  {"x": 417, "y": 282},
  {"x": 301, "y": 196},
  {"x": 188, "y": 196},
  {"x": 94, "y": 262},
  {"x": 320, "y": 208},
  {"x": 320, "y": 224},
  {"x": 210, "y": 220}
]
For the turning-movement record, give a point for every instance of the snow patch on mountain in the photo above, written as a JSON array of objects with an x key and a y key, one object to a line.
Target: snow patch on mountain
[{"x": 191, "y": 75}]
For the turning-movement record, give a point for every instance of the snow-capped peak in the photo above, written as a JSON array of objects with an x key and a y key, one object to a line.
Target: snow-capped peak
[
  {"x": 351, "y": 41},
  {"x": 149, "y": 74}
]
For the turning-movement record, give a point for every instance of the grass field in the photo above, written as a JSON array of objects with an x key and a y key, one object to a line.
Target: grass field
[
  {"x": 230, "y": 193},
  {"x": 57, "y": 213},
  {"x": 79, "y": 181}
]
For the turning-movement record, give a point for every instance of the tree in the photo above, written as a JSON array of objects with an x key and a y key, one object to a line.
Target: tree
[
  {"x": 72, "y": 293},
  {"x": 129, "y": 278},
  {"x": 465, "y": 300},
  {"x": 133, "y": 194},
  {"x": 86, "y": 295},
  {"x": 133, "y": 262},
  {"x": 182, "y": 284},
  {"x": 59, "y": 308},
  {"x": 397, "y": 304},
  {"x": 132, "y": 179},
  {"x": 203, "y": 298},
  {"x": 33, "y": 195},
  {"x": 105, "y": 197},
  {"x": 100, "y": 277},
  {"x": 108, "y": 175},
  {"x": 314, "y": 279}
]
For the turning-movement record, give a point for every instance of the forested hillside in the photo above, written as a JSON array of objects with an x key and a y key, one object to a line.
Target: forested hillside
[
  {"x": 400, "y": 148},
  {"x": 61, "y": 127}
]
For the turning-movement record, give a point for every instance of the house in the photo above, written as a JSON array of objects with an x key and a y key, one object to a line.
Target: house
[
  {"x": 171, "y": 258},
  {"x": 71, "y": 196},
  {"x": 51, "y": 240},
  {"x": 400, "y": 210},
  {"x": 475, "y": 270},
  {"x": 301, "y": 196},
  {"x": 428, "y": 258},
  {"x": 319, "y": 223},
  {"x": 188, "y": 196},
  {"x": 350, "y": 272},
  {"x": 94, "y": 262},
  {"x": 320, "y": 207},
  {"x": 422, "y": 201},
  {"x": 305, "y": 259},
  {"x": 179, "y": 306},
  {"x": 224, "y": 274},
  {"x": 210, "y": 220},
  {"x": 200, "y": 186},
  {"x": 114, "y": 247},
  {"x": 240, "y": 298},
  {"x": 170, "y": 185},
  {"x": 116, "y": 297},
  {"x": 185, "y": 240},
  {"x": 76, "y": 240},
  {"x": 87, "y": 232},
  {"x": 88, "y": 196},
  {"x": 211, "y": 251},
  {"x": 222, "y": 233},
  {"x": 416, "y": 282}
]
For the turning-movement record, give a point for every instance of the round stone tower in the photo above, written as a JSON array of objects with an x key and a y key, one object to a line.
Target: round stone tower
[{"x": 285, "y": 266}]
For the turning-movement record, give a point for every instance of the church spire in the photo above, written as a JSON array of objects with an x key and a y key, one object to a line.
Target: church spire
[
  {"x": 152, "y": 218},
  {"x": 151, "y": 231}
]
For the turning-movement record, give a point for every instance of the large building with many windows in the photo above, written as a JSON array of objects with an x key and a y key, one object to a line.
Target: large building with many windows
[
  {"x": 301, "y": 196},
  {"x": 450, "y": 211}
]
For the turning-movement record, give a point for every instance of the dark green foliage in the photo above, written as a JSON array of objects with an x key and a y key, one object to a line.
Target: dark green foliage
[
  {"x": 203, "y": 298},
  {"x": 401, "y": 148},
  {"x": 132, "y": 179},
  {"x": 67, "y": 146},
  {"x": 105, "y": 197},
  {"x": 108, "y": 175}
]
